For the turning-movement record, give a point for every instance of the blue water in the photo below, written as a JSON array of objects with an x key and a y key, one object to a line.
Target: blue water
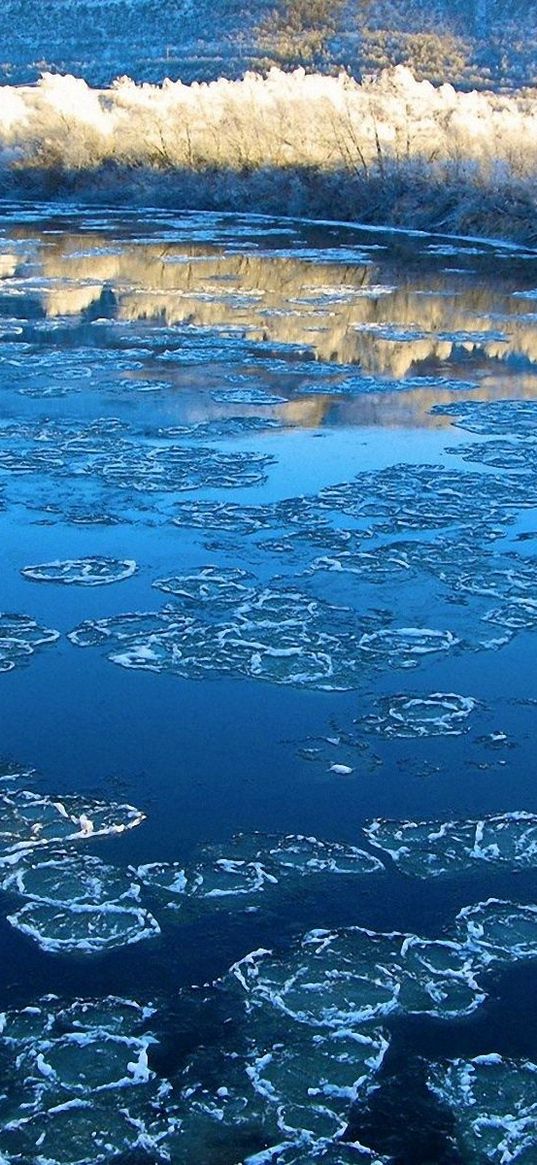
[{"x": 208, "y": 758}]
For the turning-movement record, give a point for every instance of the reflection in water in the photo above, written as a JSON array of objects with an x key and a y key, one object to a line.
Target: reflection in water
[
  {"x": 314, "y": 622},
  {"x": 366, "y": 313}
]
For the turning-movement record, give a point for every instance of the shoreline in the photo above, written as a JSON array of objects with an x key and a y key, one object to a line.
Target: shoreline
[{"x": 473, "y": 215}]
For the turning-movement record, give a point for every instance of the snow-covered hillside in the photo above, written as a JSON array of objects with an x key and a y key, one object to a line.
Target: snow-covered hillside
[
  {"x": 482, "y": 43},
  {"x": 147, "y": 39}
]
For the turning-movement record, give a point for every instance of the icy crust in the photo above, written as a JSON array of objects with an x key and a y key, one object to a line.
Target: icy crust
[
  {"x": 494, "y": 1105},
  {"x": 340, "y": 980},
  {"x": 89, "y": 572},
  {"x": 418, "y": 717},
  {"x": 428, "y": 849},
  {"x": 80, "y": 1087},
  {"x": 276, "y": 634},
  {"x": 83, "y": 928},
  {"x": 20, "y": 636}
]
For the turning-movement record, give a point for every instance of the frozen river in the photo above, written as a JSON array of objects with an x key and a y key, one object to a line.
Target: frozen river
[{"x": 268, "y": 817}]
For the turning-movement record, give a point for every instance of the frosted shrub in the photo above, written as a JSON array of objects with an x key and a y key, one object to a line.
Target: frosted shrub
[{"x": 308, "y": 138}]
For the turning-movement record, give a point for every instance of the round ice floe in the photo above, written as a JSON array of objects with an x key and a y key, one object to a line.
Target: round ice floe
[
  {"x": 226, "y": 516},
  {"x": 330, "y": 981},
  {"x": 12, "y": 652},
  {"x": 163, "y": 877},
  {"x": 512, "y": 578},
  {"x": 403, "y": 646},
  {"x": 28, "y": 820},
  {"x": 226, "y": 878},
  {"x": 20, "y": 635},
  {"x": 66, "y": 878},
  {"x": 111, "y": 1014},
  {"x": 307, "y": 855},
  {"x": 518, "y": 615},
  {"x": 218, "y": 587},
  {"x": 494, "y": 418},
  {"x": 427, "y": 849},
  {"x": 89, "y": 572},
  {"x": 28, "y": 1025},
  {"x": 383, "y": 565},
  {"x": 493, "y": 1104},
  {"x": 498, "y": 931},
  {"x": 509, "y": 455},
  {"x": 83, "y": 1062},
  {"x": 311, "y": 1080},
  {"x": 247, "y": 396},
  {"x": 83, "y": 928},
  {"x": 438, "y": 979},
  {"x": 438, "y": 714},
  {"x": 135, "y": 626}
]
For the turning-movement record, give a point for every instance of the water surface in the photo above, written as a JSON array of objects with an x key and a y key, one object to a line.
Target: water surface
[{"x": 268, "y": 513}]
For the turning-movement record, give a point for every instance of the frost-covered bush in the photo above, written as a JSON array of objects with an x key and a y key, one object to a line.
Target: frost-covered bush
[
  {"x": 309, "y": 138},
  {"x": 283, "y": 120}
]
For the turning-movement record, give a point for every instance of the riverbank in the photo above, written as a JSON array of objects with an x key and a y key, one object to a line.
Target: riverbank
[{"x": 389, "y": 151}]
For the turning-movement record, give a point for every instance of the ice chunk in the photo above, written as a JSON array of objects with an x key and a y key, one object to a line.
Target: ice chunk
[
  {"x": 247, "y": 396},
  {"x": 311, "y": 1080},
  {"x": 85, "y": 1062}
]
